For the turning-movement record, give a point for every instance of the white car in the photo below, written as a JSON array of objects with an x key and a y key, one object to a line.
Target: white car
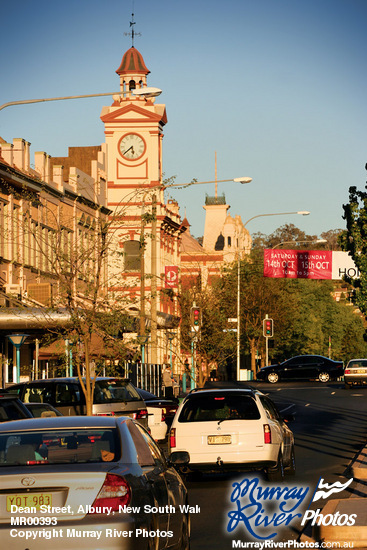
[
  {"x": 233, "y": 429},
  {"x": 156, "y": 423},
  {"x": 355, "y": 373}
]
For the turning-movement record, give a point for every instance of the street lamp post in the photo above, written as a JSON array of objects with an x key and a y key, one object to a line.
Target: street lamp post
[
  {"x": 17, "y": 340},
  {"x": 238, "y": 354}
]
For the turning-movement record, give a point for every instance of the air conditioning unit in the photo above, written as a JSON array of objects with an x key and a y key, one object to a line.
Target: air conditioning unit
[{"x": 15, "y": 290}]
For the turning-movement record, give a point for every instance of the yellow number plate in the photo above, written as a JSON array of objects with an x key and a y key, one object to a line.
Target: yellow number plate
[
  {"x": 36, "y": 500},
  {"x": 361, "y": 371},
  {"x": 219, "y": 439}
]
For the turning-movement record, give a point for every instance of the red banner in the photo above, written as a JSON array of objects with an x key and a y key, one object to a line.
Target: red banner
[
  {"x": 171, "y": 276},
  {"x": 298, "y": 264}
]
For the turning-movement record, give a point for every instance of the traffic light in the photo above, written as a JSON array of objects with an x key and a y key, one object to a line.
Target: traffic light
[
  {"x": 268, "y": 328},
  {"x": 195, "y": 318}
]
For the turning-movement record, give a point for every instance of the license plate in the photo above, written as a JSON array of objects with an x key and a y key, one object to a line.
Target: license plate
[
  {"x": 361, "y": 371},
  {"x": 36, "y": 500},
  {"x": 219, "y": 439}
]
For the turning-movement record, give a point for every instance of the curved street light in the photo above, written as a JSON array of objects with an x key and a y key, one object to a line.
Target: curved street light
[{"x": 317, "y": 241}]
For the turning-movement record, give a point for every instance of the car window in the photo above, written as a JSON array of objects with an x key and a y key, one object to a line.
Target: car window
[
  {"x": 112, "y": 390},
  {"x": 10, "y": 410},
  {"x": 40, "y": 393},
  {"x": 270, "y": 409},
  {"x": 359, "y": 363},
  {"x": 44, "y": 447},
  {"x": 66, "y": 393},
  {"x": 291, "y": 362},
  {"x": 219, "y": 406},
  {"x": 143, "y": 451},
  {"x": 154, "y": 449}
]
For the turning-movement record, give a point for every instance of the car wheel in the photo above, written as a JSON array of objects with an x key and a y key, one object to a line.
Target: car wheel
[
  {"x": 185, "y": 535},
  {"x": 324, "y": 377},
  {"x": 347, "y": 386},
  {"x": 277, "y": 473},
  {"x": 272, "y": 377},
  {"x": 291, "y": 469}
]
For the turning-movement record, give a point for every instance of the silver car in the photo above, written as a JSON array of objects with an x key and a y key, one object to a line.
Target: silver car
[
  {"x": 88, "y": 483},
  {"x": 355, "y": 373},
  {"x": 112, "y": 396}
]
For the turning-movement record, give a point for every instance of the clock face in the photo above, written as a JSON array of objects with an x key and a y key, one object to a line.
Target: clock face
[{"x": 132, "y": 146}]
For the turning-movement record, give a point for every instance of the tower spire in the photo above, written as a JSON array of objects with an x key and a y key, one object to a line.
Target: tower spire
[{"x": 132, "y": 33}]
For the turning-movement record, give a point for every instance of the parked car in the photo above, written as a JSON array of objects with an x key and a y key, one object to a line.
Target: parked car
[
  {"x": 104, "y": 464},
  {"x": 302, "y": 367},
  {"x": 112, "y": 396},
  {"x": 232, "y": 429},
  {"x": 355, "y": 373},
  {"x": 163, "y": 411},
  {"x": 12, "y": 408}
]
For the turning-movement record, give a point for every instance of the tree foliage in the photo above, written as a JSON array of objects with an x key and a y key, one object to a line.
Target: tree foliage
[{"x": 354, "y": 241}]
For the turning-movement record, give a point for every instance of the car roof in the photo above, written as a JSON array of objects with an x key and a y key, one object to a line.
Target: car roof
[
  {"x": 197, "y": 391},
  {"x": 62, "y": 422},
  {"x": 71, "y": 379}
]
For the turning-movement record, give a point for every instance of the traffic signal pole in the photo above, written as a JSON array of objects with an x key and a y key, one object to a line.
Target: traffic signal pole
[{"x": 268, "y": 332}]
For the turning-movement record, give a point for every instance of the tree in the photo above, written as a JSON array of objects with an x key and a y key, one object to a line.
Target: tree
[
  {"x": 354, "y": 241},
  {"x": 73, "y": 244}
]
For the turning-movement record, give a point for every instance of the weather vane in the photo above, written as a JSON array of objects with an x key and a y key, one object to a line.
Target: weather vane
[{"x": 132, "y": 33}]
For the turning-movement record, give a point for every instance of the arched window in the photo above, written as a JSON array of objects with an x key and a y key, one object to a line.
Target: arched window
[{"x": 132, "y": 255}]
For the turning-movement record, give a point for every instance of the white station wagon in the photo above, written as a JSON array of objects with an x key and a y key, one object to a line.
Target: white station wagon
[{"x": 233, "y": 429}]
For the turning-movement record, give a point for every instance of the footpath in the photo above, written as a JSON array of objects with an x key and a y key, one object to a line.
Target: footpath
[{"x": 347, "y": 536}]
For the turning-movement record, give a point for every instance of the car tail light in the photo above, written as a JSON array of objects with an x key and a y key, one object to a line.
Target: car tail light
[
  {"x": 115, "y": 492},
  {"x": 347, "y": 371},
  {"x": 267, "y": 434},
  {"x": 172, "y": 438},
  {"x": 164, "y": 412},
  {"x": 143, "y": 413}
]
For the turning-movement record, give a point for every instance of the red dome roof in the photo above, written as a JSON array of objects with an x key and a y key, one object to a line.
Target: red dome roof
[{"x": 132, "y": 62}]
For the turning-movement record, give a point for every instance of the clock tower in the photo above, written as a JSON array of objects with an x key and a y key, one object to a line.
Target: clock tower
[
  {"x": 147, "y": 230},
  {"x": 134, "y": 133}
]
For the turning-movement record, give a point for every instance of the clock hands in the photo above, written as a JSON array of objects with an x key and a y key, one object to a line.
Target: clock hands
[{"x": 127, "y": 150}]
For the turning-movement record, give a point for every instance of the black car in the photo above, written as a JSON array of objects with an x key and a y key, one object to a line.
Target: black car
[
  {"x": 11, "y": 408},
  {"x": 169, "y": 406},
  {"x": 302, "y": 367}
]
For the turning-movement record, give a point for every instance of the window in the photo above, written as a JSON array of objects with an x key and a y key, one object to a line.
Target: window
[
  {"x": 110, "y": 391},
  {"x": 38, "y": 394},
  {"x": 132, "y": 255},
  {"x": 62, "y": 446},
  {"x": 270, "y": 409},
  {"x": 67, "y": 393},
  {"x": 219, "y": 406}
]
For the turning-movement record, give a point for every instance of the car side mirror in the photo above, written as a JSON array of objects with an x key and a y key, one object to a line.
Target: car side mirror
[{"x": 179, "y": 458}]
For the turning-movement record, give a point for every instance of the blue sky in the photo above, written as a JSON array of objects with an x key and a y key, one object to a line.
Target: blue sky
[{"x": 276, "y": 87}]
